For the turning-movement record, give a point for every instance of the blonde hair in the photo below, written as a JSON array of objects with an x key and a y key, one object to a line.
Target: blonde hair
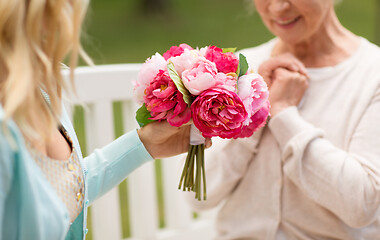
[{"x": 36, "y": 37}]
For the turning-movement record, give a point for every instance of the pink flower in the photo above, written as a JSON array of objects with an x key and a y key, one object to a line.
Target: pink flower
[
  {"x": 175, "y": 51},
  {"x": 184, "y": 61},
  {"x": 253, "y": 91},
  {"x": 218, "y": 112},
  {"x": 148, "y": 71},
  {"x": 225, "y": 62},
  {"x": 225, "y": 81},
  {"x": 200, "y": 77},
  {"x": 164, "y": 101},
  {"x": 257, "y": 121}
]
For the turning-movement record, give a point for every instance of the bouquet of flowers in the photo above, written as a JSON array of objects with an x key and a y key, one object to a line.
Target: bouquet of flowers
[{"x": 211, "y": 86}]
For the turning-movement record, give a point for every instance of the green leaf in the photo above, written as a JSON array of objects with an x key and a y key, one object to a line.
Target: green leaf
[
  {"x": 243, "y": 65},
  {"x": 226, "y": 50},
  {"x": 143, "y": 115},
  {"x": 179, "y": 84},
  {"x": 238, "y": 71}
]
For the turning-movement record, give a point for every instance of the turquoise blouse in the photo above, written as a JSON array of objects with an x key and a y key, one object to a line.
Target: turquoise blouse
[{"x": 29, "y": 206}]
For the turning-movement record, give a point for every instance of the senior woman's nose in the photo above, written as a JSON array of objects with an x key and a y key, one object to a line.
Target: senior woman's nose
[{"x": 277, "y": 6}]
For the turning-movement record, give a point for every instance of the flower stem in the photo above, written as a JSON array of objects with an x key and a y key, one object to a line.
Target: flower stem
[
  {"x": 203, "y": 171},
  {"x": 185, "y": 167},
  {"x": 197, "y": 176},
  {"x": 189, "y": 180}
]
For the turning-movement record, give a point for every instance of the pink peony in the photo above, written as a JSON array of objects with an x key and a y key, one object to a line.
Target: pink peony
[
  {"x": 218, "y": 112},
  {"x": 225, "y": 81},
  {"x": 175, "y": 51},
  {"x": 164, "y": 101},
  {"x": 225, "y": 62},
  {"x": 253, "y": 91},
  {"x": 184, "y": 61},
  {"x": 202, "y": 51},
  {"x": 148, "y": 71},
  {"x": 257, "y": 121},
  {"x": 200, "y": 77}
]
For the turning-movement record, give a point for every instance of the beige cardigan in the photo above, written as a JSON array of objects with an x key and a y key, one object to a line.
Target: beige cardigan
[{"x": 314, "y": 171}]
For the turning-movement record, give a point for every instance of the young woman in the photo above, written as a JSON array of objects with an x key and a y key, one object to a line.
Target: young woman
[{"x": 45, "y": 184}]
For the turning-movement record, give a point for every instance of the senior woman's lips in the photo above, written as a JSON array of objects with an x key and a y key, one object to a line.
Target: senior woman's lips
[{"x": 286, "y": 23}]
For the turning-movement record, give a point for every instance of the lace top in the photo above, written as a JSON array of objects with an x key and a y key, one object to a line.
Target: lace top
[{"x": 65, "y": 176}]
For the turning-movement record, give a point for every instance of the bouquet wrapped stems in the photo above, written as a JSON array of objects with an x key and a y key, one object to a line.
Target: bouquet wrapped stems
[{"x": 193, "y": 173}]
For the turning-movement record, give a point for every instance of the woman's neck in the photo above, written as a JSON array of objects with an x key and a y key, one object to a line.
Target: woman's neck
[{"x": 329, "y": 46}]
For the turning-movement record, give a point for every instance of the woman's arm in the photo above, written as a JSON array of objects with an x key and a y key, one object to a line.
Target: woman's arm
[
  {"x": 108, "y": 166},
  {"x": 347, "y": 182}
]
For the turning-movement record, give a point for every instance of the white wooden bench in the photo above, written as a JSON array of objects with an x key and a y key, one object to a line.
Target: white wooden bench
[{"x": 98, "y": 87}]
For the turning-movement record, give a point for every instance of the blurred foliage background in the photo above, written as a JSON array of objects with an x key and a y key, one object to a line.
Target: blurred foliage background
[{"x": 129, "y": 31}]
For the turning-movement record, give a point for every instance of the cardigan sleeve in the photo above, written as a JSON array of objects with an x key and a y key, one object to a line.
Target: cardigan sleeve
[
  {"x": 6, "y": 172},
  {"x": 347, "y": 182},
  {"x": 108, "y": 166}
]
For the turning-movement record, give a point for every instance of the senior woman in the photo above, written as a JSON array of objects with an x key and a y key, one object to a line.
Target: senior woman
[{"x": 314, "y": 171}]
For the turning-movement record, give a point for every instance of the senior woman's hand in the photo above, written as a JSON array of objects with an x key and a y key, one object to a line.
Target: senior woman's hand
[
  {"x": 287, "y": 61},
  {"x": 163, "y": 140},
  {"x": 286, "y": 90},
  {"x": 287, "y": 80}
]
